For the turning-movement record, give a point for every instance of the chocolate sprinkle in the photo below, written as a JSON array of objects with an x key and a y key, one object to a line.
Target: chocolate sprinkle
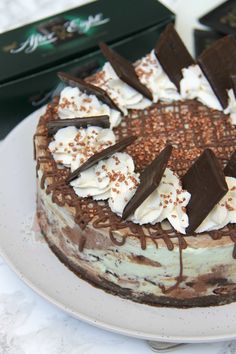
[
  {"x": 100, "y": 156},
  {"x": 230, "y": 168},
  {"x": 206, "y": 183},
  {"x": 98, "y": 121},
  {"x": 124, "y": 70},
  {"x": 88, "y": 89},
  {"x": 149, "y": 181},
  {"x": 218, "y": 63},
  {"x": 172, "y": 54}
]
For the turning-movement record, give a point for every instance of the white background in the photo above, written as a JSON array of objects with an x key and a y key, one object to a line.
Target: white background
[{"x": 30, "y": 325}]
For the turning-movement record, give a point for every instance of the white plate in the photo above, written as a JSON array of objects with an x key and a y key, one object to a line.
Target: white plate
[{"x": 33, "y": 261}]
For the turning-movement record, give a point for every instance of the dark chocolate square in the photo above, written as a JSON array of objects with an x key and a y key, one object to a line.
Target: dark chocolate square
[
  {"x": 124, "y": 70},
  {"x": 205, "y": 181},
  {"x": 218, "y": 63},
  {"x": 172, "y": 54}
]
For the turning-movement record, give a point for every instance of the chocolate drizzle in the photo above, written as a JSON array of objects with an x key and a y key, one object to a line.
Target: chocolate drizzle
[
  {"x": 179, "y": 278},
  {"x": 189, "y": 126}
]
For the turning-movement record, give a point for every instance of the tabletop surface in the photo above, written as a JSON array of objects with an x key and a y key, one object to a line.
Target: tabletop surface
[{"x": 29, "y": 324}]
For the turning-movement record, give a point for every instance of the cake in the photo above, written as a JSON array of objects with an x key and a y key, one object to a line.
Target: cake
[{"x": 136, "y": 175}]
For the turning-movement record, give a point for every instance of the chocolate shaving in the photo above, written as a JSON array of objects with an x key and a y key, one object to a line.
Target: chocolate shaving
[
  {"x": 218, "y": 63},
  {"x": 172, "y": 54},
  {"x": 230, "y": 168},
  {"x": 206, "y": 183},
  {"x": 98, "y": 121},
  {"x": 124, "y": 70},
  {"x": 88, "y": 89},
  {"x": 149, "y": 181},
  {"x": 100, "y": 156}
]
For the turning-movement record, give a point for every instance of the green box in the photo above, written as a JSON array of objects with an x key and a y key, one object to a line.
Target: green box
[{"x": 30, "y": 56}]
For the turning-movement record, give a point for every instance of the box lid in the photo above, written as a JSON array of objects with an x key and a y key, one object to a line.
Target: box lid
[{"x": 74, "y": 33}]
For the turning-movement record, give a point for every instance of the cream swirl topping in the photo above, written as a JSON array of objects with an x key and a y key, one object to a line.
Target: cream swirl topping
[
  {"x": 114, "y": 179},
  {"x": 72, "y": 147},
  {"x": 106, "y": 178},
  {"x": 74, "y": 103},
  {"x": 195, "y": 85},
  {"x": 152, "y": 75},
  {"x": 125, "y": 96},
  {"x": 224, "y": 212},
  {"x": 168, "y": 201}
]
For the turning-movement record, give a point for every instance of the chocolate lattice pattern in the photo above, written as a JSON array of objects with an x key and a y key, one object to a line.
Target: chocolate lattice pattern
[{"x": 189, "y": 126}]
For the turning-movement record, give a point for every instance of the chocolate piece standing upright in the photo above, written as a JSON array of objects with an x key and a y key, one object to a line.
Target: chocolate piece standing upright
[
  {"x": 88, "y": 88},
  {"x": 98, "y": 121},
  {"x": 206, "y": 183},
  {"x": 172, "y": 54},
  {"x": 230, "y": 168},
  {"x": 218, "y": 63},
  {"x": 149, "y": 181},
  {"x": 124, "y": 70},
  {"x": 100, "y": 156}
]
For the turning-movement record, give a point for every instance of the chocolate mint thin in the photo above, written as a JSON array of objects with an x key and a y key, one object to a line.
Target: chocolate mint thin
[
  {"x": 149, "y": 181},
  {"x": 172, "y": 54},
  {"x": 98, "y": 121},
  {"x": 124, "y": 70},
  {"x": 206, "y": 183},
  {"x": 218, "y": 63}
]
